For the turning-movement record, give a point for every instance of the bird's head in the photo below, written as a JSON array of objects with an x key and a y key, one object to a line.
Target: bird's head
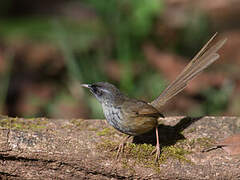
[{"x": 105, "y": 92}]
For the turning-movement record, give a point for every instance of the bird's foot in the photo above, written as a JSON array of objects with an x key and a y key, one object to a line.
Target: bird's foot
[
  {"x": 157, "y": 152},
  {"x": 120, "y": 148}
]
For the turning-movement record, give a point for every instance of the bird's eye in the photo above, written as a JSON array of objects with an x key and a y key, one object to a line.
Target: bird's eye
[{"x": 96, "y": 90}]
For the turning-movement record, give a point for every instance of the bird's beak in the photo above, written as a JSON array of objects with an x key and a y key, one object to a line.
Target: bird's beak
[{"x": 86, "y": 85}]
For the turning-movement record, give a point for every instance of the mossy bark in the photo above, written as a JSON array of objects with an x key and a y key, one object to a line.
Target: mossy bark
[{"x": 78, "y": 148}]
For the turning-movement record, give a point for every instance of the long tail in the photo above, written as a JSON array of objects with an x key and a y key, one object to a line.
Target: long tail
[{"x": 205, "y": 57}]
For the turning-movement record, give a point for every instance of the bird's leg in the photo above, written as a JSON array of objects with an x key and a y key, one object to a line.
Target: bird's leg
[
  {"x": 121, "y": 146},
  {"x": 157, "y": 150}
]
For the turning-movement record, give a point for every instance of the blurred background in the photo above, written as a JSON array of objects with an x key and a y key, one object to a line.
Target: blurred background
[{"x": 48, "y": 48}]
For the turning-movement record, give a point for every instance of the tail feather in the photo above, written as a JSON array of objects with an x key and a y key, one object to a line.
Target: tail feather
[{"x": 205, "y": 57}]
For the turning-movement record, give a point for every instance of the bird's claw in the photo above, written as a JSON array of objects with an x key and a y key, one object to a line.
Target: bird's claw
[
  {"x": 157, "y": 153},
  {"x": 120, "y": 150}
]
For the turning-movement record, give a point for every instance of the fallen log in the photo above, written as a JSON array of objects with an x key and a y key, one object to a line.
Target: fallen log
[{"x": 78, "y": 148}]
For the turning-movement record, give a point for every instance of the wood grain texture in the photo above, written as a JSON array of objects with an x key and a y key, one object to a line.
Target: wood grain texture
[{"x": 75, "y": 149}]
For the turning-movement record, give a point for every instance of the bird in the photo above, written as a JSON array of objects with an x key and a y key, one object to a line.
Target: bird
[{"x": 135, "y": 117}]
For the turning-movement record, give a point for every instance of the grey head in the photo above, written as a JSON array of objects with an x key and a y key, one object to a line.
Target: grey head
[{"x": 105, "y": 93}]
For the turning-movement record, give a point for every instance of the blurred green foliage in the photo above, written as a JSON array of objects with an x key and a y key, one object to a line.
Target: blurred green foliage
[
  {"x": 128, "y": 23},
  {"x": 196, "y": 31},
  {"x": 117, "y": 33},
  {"x": 217, "y": 99},
  {"x": 5, "y": 80},
  {"x": 121, "y": 27}
]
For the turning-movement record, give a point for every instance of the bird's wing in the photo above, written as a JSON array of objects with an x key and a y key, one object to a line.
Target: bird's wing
[
  {"x": 141, "y": 108},
  {"x": 205, "y": 57}
]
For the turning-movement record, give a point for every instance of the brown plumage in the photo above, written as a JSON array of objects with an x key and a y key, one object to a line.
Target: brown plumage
[{"x": 135, "y": 117}]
